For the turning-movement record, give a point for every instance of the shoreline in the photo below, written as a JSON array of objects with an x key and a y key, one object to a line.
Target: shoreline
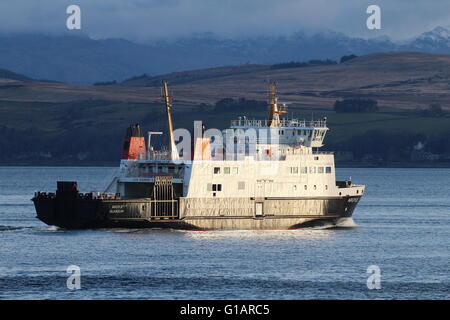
[
  {"x": 355, "y": 164},
  {"x": 418, "y": 165}
]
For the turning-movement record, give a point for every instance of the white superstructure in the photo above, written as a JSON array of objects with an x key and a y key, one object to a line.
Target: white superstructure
[{"x": 269, "y": 174}]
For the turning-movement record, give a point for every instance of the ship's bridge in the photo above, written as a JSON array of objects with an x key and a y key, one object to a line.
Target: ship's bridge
[{"x": 284, "y": 131}]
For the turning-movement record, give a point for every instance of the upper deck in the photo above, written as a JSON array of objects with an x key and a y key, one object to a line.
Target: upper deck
[
  {"x": 282, "y": 123},
  {"x": 282, "y": 131}
]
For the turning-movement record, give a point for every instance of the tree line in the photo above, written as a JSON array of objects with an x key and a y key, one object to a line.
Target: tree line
[
  {"x": 392, "y": 146},
  {"x": 295, "y": 64},
  {"x": 356, "y": 105}
]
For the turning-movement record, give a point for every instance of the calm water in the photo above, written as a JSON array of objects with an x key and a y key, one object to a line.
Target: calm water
[{"x": 402, "y": 225}]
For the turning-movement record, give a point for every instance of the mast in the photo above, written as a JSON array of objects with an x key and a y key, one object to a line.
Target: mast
[
  {"x": 274, "y": 111},
  {"x": 273, "y": 106},
  {"x": 172, "y": 148}
]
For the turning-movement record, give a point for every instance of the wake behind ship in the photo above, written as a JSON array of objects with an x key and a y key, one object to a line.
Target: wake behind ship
[{"x": 264, "y": 174}]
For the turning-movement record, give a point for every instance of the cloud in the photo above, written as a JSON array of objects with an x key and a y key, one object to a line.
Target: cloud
[{"x": 150, "y": 19}]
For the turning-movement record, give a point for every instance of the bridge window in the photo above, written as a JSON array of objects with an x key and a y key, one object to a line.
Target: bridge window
[
  {"x": 319, "y": 169},
  {"x": 216, "y": 170},
  {"x": 216, "y": 187},
  {"x": 316, "y": 158},
  {"x": 312, "y": 169},
  {"x": 294, "y": 170},
  {"x": 241, "y": 185},
  {"x": 226, "y": 170},
  {"x": 328, "y": 170},
  {"x": 304, "y": 170}
]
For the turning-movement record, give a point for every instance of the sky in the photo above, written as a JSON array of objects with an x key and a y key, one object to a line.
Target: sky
[{"x": 143, "y": 20}]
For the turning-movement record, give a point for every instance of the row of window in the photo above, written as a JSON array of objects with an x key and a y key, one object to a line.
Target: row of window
[
  {"x": 292, "y": 170},
  {"x": 312, "y": 170},
  {"x": 241, "y": 186},
  {"x": 162, "y": 169},
  {"x": 317, "y": 133},
  {"x": 214, "y": 187},
  {"x": 218, "y": 186},
  {"x": 314, "y": 187},
  {"x": 306, "y": 187},
  {"x": 226, "y": 170}
]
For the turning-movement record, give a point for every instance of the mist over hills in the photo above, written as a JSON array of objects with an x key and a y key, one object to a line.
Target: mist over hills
[{"x": 82, "y": 60}]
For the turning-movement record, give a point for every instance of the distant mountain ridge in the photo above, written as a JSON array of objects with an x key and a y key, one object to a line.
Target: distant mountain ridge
[
  {"x": 6, "y": 74},
  {"x": 433, "y": 41},
  {"x": 81, "y": 60}
]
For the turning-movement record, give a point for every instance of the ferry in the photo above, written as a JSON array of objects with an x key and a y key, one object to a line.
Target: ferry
[{"x": 258, "y": 174}]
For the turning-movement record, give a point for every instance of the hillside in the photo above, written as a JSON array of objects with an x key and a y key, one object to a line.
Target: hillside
[
  {"x": 77, "y": 58},
  {"x": 38, "y": 119},
  {"x": 397, "y": 80},
  {"x": 6, "y": 74}
]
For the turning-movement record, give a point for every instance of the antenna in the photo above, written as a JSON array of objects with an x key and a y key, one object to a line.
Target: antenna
[{"x": 167, "y": 98}]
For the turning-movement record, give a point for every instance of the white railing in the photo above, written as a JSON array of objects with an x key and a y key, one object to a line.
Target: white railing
[
  {"x": 281, "y": 123},
  {"x": 155, "y": 155}
]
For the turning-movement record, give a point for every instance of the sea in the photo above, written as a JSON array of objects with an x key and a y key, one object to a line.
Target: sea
[{"x": 396, "y": 246}]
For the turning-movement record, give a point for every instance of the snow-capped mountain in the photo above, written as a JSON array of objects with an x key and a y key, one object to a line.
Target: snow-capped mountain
[{"x": 436, "y": 40}]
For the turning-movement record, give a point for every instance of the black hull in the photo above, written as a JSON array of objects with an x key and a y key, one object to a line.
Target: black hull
[
  {"x": 72, "y": 211},
  {"x": 75, "y": 214}
]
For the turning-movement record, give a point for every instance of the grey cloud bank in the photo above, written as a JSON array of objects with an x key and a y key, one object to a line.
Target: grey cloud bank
[{"x": 141, "y": 20}]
